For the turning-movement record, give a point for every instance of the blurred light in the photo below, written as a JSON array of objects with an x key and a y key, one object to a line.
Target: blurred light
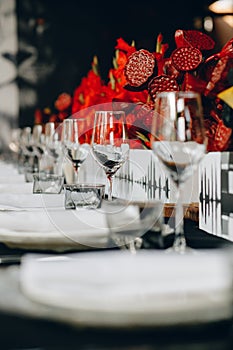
[
  {"x": 208, "y": 24},
  {"x": 198, "y": 23},
  {"x": 222, "y": 7},
  {"x": 228, "y": 19},
  {"x": 223, "y": 29}
]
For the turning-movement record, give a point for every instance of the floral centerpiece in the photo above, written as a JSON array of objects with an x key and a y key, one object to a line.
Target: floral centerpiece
[{"x": 138, "y": 75}]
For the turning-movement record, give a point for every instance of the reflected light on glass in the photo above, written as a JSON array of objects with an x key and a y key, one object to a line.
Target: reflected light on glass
[
  {"x": 172, "y": 97},
  {"x": 181, "y": 129}
]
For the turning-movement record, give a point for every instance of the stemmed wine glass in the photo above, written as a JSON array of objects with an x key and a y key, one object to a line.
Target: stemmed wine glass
[
  {"x": 52, "y": 156},
  {"x": 129, "y": 220},
  {"x": 24, "y": 154},
  {"x": 109, "y": 143},
  {"x": 75, "y": 151},
  {"x": 179, "y": 142},
  {"x": 34, "y": 148}
]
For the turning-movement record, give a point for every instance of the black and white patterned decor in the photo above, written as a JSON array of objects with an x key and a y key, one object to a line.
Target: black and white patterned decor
[
  {"x": 216, "y": 194},
  {"x": 9, "y": 97},
  {"x": 144, "y": 171}
]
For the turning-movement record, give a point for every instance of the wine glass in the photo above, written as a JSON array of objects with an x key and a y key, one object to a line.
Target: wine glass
[
  {"x": 75, "y": 151},
  {"x": 129, "y": 220},
  {"x": 109, "y": 143},
  {"x": 178, "y": 140},
  {"x": 52, "y": 156},
  {"x": 24, "y": 149},
  {"x": 34, "y": 149}
]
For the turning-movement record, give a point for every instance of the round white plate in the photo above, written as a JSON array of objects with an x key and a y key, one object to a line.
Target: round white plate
[{"x": 118, "y": 289}]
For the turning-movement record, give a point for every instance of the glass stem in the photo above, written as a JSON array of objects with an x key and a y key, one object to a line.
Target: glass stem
[
  {"x": 110, "y": 178},
  {"x": 76, "y": 177},
  {"x": 132, "y": 247},
  {"x": 179, "y": 244}
]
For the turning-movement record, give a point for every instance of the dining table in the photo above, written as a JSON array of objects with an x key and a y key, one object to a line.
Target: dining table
[{"x": 109, "y": 308}]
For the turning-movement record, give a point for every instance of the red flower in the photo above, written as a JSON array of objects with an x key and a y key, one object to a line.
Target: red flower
[
  {"x": 122, "y": 45},
  {"x": 218, "y": 134},
  {"x": 86, "y": 93},
  {"x": 190, "y": 70},
  {"x": 38, "y": 116},
  {"x": 187, "y": 68},
  {"x": 63, "y": 102}
]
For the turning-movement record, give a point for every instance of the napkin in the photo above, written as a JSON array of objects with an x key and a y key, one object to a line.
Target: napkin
[
  {"x": 56, "y": 229},
  {"x": 117, "y": 288}
]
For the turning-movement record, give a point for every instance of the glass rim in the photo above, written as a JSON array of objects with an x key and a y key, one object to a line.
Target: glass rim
[
  {"x": 83, "y": 186},
  {"x": 179, "y": 94},
  {"x": 147, "y": 202},
  {"x": 110, "y": 111},
  {"x": 47, "y": 176}
]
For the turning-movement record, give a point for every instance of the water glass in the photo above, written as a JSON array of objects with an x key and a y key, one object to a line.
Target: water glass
[
  {"x": 85, "y": 195},
  {"x": 47, "y": 183}
]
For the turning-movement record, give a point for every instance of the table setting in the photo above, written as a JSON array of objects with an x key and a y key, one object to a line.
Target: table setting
[
  {"x": 40, "y": 222},
  {"x": 97, "y": 208},
  {"x": 84, "y": 281},
  {"x": 85, "y": 257}
]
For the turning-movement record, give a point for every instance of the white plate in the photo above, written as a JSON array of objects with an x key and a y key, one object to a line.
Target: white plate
[
  {"x": 116, "y": 289},
  {"x": 52, "y": 241},
  {"x": 53, "y": 229}
]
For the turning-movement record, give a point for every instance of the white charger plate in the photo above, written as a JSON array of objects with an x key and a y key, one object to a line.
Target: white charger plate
[
  {"x": 53, "y": 229},
  {"x": 116, "y": 289}
]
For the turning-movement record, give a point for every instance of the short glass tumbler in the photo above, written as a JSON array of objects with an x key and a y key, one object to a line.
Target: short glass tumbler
[
  {"x": 47, "y": 183},
  {"x": 87, "y": 196}
]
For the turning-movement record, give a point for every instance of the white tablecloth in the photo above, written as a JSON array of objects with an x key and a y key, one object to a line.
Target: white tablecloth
[
  {"x": 105, "y": 288},
  {"x": 40, "y": 221}
]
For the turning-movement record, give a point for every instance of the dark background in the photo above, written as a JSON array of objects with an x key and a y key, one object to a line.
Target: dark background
[{"x": 58, "y": 39}]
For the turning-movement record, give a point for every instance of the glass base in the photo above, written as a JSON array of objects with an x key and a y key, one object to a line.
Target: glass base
[{"x": 181, "y": 250}]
